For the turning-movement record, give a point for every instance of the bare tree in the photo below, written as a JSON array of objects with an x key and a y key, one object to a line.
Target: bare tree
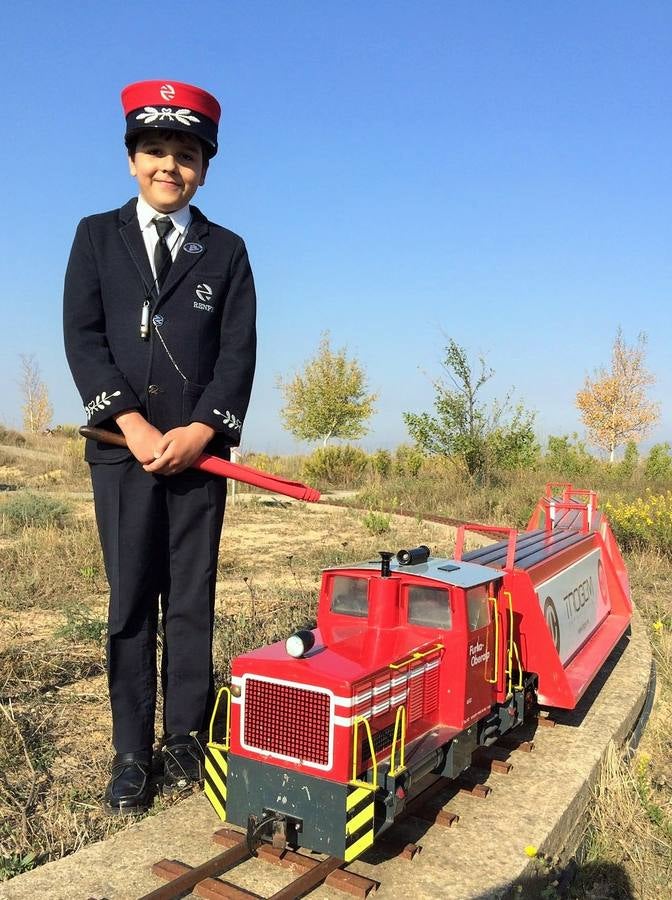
[{"x": 37, "y": 409}]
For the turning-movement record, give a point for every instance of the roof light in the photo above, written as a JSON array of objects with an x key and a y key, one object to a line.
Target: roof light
[{"x": 413, "y": 557}]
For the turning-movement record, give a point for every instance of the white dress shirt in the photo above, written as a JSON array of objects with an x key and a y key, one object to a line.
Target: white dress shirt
[{"x": 181, "y": 219}]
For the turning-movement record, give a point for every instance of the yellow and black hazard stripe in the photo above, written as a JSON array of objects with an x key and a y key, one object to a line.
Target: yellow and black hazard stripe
[
  {"x": 359, "y": 818},
  {"x": 216, "y": 770}
]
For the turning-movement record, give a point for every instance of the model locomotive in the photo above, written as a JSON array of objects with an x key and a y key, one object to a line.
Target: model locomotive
[{"x": 416, "y": 661}]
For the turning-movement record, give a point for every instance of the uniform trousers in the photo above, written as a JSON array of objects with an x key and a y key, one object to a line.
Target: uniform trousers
[{"x": 160, "y": 540}]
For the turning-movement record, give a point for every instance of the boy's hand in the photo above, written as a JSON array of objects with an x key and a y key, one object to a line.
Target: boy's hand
[
  {"x": 142, "y": 438},
  {"x": 179, "y": 448}
]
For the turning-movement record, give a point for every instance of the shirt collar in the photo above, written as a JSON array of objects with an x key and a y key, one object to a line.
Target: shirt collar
[{"x": 146, "y": 213}]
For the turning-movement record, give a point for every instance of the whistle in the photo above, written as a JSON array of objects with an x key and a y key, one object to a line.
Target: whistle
[{"x": 144, "y": 321}]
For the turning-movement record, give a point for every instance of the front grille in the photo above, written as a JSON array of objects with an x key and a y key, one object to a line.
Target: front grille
[{"x": 287, "y": 721}]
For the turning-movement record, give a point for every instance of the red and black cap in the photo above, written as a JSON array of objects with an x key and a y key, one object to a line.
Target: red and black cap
[{"x": 174, "y": 105}]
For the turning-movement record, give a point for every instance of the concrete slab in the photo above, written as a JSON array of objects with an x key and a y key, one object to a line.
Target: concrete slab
[{"x": 541, "y": 803}]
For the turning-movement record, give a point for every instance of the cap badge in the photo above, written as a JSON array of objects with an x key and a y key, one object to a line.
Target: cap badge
[
  {"x": 193, "y": 247},
  {"x": 167, "y": 91},
  {"x": 151, "y": 114}
]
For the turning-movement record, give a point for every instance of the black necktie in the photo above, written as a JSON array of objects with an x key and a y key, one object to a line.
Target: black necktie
[{"x": 162, "y": 256}]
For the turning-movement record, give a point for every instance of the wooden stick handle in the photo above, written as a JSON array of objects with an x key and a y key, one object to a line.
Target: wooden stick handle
[
  {"x": 101, "y": 434},
  {"x": 222, "y": 467}
]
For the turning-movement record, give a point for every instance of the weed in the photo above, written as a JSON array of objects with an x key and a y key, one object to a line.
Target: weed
[
  {"x": 51, "y": 566},
  {"x": 16, "y": 864},
  {"x": 376, "y": 523},
  {"x": 81, "y": 625},
  {"x": 28, "y": 510}
]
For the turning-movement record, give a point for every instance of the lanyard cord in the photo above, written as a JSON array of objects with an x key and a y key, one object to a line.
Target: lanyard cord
[{"x": 170, "y": 355}]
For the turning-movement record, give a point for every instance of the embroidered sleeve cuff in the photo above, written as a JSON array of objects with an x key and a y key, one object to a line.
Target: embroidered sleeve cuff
[
  {"x": 105, "y": 404},
  {"x": 224, "y": 421}
]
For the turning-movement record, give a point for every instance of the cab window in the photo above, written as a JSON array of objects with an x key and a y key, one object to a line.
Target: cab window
[
  {"x": 350, "y": 596},
  {"x": 429, "y": 606},
  {"x": 478, "y": 607}
]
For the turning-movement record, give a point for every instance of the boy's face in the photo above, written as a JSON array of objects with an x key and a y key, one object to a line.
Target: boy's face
[{"x": 169, "y": 168}]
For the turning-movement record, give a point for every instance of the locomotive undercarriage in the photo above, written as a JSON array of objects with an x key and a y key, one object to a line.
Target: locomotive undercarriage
[{"x": 293, "y": 809}]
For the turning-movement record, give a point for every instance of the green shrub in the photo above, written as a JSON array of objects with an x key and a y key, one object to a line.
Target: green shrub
[
  {"x": 569, "y": 457},
  {"x": 376, "y": 523},
  {"x": 381, "y": 462},
  {"x": 342, "y": 466},
  {"x": 11, "y": 437},
  {"x": 25, "y": 509},
  {"x": 658, "y": 465},
  {"x": 628, "y": 465},
  {"x": 408, "y": 460}
]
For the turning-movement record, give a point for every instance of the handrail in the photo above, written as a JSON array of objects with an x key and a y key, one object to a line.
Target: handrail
[
  {"x": 512, "y": 648},
  {"x": 494, "y": 680},
  {"x": 225, "y": 744},
  {"x": 359, "y": 720},
  {"x": 400, "y": 718},
  {"x": 415, "y": 656},
  {"x": 511, "y": 534}
]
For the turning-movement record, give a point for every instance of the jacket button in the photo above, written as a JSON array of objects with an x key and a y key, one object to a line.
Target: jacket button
[{"x": 153, "y": 389}]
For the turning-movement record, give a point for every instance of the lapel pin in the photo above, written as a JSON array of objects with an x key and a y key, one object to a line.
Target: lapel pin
[{"x": 193, "y": 247}]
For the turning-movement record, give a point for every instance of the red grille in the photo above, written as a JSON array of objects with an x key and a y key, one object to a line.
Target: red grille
[
  {"x": 415, "y": 698},
  {"x": 431, "y": 699},
  {"x": 288, "y": 721}
]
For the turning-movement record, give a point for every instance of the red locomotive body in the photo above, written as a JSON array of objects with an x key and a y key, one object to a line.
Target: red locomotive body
[{"x": 415, "y": 662}]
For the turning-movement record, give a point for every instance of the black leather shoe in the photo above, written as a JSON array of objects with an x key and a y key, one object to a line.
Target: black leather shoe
[
  {"x": 183, "y": 763},
  {"x": 128, "y": 790}
]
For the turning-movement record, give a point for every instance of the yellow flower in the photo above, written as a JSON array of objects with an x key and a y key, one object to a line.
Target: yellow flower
[
  {"x": 531, "y": 851},
  {"x": 658, "y": 626}
]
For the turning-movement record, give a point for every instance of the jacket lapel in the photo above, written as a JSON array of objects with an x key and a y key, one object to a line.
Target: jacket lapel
[
  {"x": 197, "y": 234},
  {"x": 132, "y": 238}
]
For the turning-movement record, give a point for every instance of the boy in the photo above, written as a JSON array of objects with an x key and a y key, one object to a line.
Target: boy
[{"x": 159, "y": 323}]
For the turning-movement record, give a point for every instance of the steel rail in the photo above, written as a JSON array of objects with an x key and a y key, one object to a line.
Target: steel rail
[{"x": 212, "y": 868}]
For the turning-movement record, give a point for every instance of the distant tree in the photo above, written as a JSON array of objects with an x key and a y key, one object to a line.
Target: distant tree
[
  {"x": 613, "y": 404},
  {"x": 475, "y": 434},
  {"x": 37, "y": 410},
  {"x": 328, "y": 399},
  {"x": 658, "y": 465}
]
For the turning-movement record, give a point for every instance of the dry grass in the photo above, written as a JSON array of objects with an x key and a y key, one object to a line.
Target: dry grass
[
  {"x": 55, "y": 722},
  {"x": 629, "y": 838},
  {"x": 54, "y": 716},
  {"x": 44, "y": 463}
]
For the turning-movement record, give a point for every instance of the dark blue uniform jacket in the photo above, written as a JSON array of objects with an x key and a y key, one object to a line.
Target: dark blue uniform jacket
[{"x": 198, "y": 363}]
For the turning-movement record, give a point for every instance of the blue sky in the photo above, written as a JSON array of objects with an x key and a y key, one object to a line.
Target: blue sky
[{"x": 495, "y": 172}]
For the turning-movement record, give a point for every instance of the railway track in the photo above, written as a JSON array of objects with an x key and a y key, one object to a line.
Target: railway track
[{"x": 430, "y": 808}]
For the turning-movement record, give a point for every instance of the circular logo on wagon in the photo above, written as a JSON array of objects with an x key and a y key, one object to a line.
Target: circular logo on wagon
[
  {"x": 167, "y": 91},
  {"x": 551, "y": 616}
]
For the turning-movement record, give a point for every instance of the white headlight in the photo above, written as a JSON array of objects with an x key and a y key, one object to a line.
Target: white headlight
[{"x": 299, "y": 643}]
